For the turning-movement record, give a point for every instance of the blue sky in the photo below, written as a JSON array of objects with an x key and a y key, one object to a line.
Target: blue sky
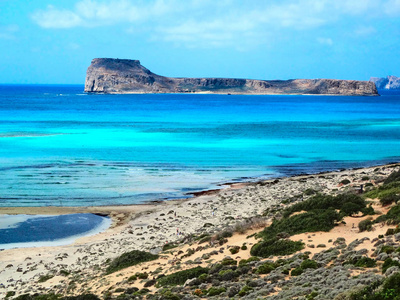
[{"x": 46, "y": 41}]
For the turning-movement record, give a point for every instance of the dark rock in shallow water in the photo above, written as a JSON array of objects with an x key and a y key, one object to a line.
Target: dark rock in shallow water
[{"x": 108, "y": 75}]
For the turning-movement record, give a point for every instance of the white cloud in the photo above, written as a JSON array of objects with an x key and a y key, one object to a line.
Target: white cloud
[
  {"x": 56, "y": 18},
  {"x": 392, "y": 7},
  {"x": 7, "y": 32},
  {"x": 216, "y": 23}
]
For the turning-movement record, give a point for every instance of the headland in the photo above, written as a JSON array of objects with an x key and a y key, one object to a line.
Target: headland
[{"x": 123, "y": 76}]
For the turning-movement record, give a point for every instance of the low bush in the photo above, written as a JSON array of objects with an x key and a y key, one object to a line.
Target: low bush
[
  {"x": 228, "y": 275},
  {"x": 276, "y": 248},
  {"x": 169, "y": 246},
  {"x": 214, "y": 291},
  {"x": 389, "y": 199},
  {"x": 309, "y": 264},
  {"x": 320, "y": 201},
  {"x": 129, "y": 259},
  {"x": 244, "y": 262},
  {"x": 245, "y": 290},
  {"x": 181, "y": 276},
  {"x": 297, "y": 271},
  {"x": 389, "y": 263},
  {"x": 266, "y": 268},
  {"x": 387, "y": 249},
  {"x": 234, "y": 249},
  {"x": 365, "y": 225},
  {"x": 44, "y": 278},
  {"x": 362, "y": 262},
  {"x": 228, "y": 262},
  {"x": 345, "y": 181},
  {"x": 311, "y": 221},
  {"x": 384, "y": 190},
  {"x": 389, "y": 289},
  {"x": 393, "y": 215},
  {"x": 394, "y": 176}
]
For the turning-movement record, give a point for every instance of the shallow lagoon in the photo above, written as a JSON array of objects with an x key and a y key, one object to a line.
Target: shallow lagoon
[{"x": 17, "y": 231}]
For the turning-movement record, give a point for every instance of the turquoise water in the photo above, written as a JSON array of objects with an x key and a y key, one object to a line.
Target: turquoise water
[{"x": 59, "y": 146}]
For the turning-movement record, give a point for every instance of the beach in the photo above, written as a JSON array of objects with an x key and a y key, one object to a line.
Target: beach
[{"x": 149, "y": 227}]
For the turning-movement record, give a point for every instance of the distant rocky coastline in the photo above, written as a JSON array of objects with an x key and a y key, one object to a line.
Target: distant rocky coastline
[
  {"x": 386, "y": 83},
  {"x": 122, "y": 76}
]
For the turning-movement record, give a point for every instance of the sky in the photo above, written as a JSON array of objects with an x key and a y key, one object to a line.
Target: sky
[{"x": 54, "y": 41}]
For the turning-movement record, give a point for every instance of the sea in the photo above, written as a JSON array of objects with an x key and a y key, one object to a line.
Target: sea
[{"x": 62, "y": 147}]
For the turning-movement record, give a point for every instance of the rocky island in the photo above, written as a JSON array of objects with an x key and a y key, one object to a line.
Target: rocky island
[
  {"x": 386, "y": 83},
  {"x": 122, "y": 76}
]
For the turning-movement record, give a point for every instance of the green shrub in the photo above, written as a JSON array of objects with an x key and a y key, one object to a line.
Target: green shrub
[
  {"x": 345, "y": 181},
  {"x": 225, "y": 234},
  {"x": 266, "y": 268},
  {"x": 384, "y": 190},
  {"x": 325, "y": 201},
  {"x": 390, "y": 231},
  {"x": 10, "y": 294},
  {"x": 245, "y": 290},
  {"x": 389, "y": 289},
  {"x": 228, "y": 275},
  {"x": 129, "y": 259},
  {"x": 169, "y": 246},
  {"x": 276, "y": 248},
  {"x": 389, "y": 199},
  {"x": 214, "y": 291},
  {"x": 363, "y": 262},
  {"x": 309, "y": 192},
  {"x": 297, "y": 271},
  {"x": 394, "y": 176},
  {"x": 387, "y": 249},
  {"x": 311, "y": 221},
  {"x": 228, "y": 262},
  {"x": 181, "y": 276},
  {"x": 393, "y": 215},
  {"x": 365, "y": 225},
  {"x": 309, "y": 264},
  {"x": 44, "y": 278},
  {"x": 244, "y": 262},
  {"x": 142, "y": 275},
  {"x": 132, "y": 278},
  {"x": 389, "y": 263},
  {"x": 205, "y": 239},
  {"x": 234, "y": 249}
]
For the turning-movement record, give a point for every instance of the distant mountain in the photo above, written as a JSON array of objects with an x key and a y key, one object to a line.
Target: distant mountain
[
  {"x": 386, "y": 83},
  {"x": 122, "y": 76}
]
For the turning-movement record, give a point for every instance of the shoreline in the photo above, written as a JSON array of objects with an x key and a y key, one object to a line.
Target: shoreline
[
  {"x": 150, "y": 227},
  {"x": 107, "y": 210}
]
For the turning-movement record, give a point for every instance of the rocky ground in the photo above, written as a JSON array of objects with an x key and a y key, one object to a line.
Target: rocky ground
[{"x": 215, "y": 232}]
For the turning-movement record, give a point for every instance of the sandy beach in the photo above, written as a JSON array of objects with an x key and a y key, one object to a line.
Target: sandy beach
[{"x": 149, "y": 227}]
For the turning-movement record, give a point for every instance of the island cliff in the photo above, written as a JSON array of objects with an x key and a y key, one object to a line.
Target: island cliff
[
  {"x": 386, "y": 83},
  {"x": 120, "y": 76}
]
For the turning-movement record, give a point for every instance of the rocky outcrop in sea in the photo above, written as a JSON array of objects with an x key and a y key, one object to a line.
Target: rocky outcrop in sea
[{"x": 108, "y": 75}]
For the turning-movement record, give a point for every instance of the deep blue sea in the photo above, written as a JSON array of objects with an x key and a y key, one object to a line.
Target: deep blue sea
[{"x": 60, "y": 146}]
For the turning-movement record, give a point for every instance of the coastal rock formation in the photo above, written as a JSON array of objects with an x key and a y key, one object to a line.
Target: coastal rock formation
[
  {"x": 386, "y": 83},
  {"x": 108, "y": 75}
]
